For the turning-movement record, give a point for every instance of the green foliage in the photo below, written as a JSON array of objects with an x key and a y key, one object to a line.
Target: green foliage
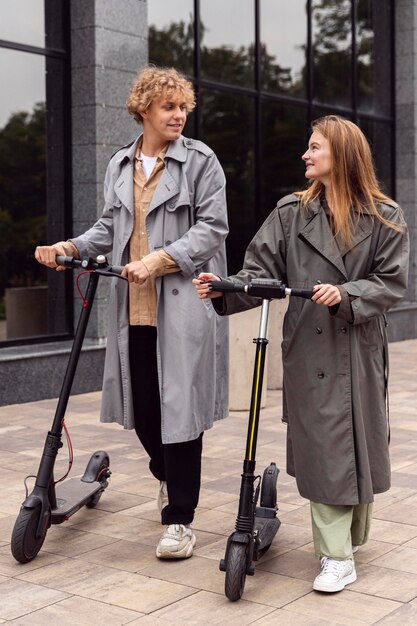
[{"x": 22, "y": 197}]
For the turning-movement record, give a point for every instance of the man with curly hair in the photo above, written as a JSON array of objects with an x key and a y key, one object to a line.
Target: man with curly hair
[{"x": 165, "y": 221}]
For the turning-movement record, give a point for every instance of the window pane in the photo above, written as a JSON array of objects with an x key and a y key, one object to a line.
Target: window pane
[
  {"x": 332, "y": 51},
  {"x": 22, "y": 21},
  {"x": 380, "y": 139},
  {"x": 283, "y": 46},
  {"x": 171, "y": 34},
  {"x": 228, "y": 128},
  {"x": 284, "y": 141},
  {"x": 374, "y": 56},
  {"x": 227, "y": 41},
  {"x": 31, "y": 181}
]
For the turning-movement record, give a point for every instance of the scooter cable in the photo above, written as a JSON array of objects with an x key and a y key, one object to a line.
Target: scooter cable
[
  {"x": 70, "y": 452},
  {"x": 84, "y": 301}
]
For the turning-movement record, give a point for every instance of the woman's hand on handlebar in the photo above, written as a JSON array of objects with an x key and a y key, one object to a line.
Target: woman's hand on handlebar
[
  {"x": 203, "y": 290},
  {"x": 46, "y": 255},
  {"x": 326, "y": 294}
]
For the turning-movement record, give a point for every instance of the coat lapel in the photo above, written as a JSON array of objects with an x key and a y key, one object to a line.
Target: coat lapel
[
  {"x": 166, "y": 189},
  {"x": 124, "y": 184},
  {"x": 317, "y": 233}
]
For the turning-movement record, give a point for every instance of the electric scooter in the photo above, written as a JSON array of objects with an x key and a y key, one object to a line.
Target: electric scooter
[
  {"x": 256, "y": 526},
  {"x": 50, "y": 503}
]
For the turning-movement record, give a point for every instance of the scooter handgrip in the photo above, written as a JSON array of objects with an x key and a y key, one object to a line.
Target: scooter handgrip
[
  {"x": 302, "y": 293},
  {"x": 225, "y": 286},
  {"x": 67, "y": 261},
  {"x": 116, "y": 269}
]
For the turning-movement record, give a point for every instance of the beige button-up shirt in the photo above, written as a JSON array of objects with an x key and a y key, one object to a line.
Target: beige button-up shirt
[{"x": 142, "y": 298}]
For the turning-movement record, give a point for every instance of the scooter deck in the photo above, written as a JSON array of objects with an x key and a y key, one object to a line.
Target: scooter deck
[{"x": 71, "y": 495}]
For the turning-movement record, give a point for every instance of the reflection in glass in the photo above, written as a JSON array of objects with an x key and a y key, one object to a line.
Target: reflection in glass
[
  {"x": 380, "y": 139},
  {"x": 283, "y": 27},
  {"x": 332, "y": 51},
  {"x": 171, "y": 34},
  {"x": 373, "y": 52},
  {"x": 284, "y": 141},
  {"x": 228, "y": 128},
  {"x": 31, "y": 179},
  {"x": 227, "y": 41},
  {"x": 22, "y": 21}
]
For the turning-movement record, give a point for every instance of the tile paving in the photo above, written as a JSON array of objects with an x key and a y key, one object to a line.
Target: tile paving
[{"x": 100, "y": 565}]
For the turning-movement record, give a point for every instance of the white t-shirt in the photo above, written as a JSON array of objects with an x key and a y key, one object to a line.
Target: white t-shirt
[{"x": 148, "y": 163}]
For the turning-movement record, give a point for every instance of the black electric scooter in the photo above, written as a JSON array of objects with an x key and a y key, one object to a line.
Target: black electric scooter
[
  {"x": 256, "y": 526},
  {"x": 50, "y": 504}
]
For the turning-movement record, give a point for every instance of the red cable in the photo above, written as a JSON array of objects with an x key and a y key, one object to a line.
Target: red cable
[{"x": 85, "y": 302}]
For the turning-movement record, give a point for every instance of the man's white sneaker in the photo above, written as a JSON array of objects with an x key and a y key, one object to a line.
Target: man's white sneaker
[
  {"x": 177, "y": 542},
  {"x": 355, "y": 549},
  {"x": 334, "y": 575},
  {"x": 162, "y": 500}
]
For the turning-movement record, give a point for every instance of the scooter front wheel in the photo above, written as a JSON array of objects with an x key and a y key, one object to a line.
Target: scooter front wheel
[
  {"x": 25, "y": 545},
  {"x": 236, "y": 571}
]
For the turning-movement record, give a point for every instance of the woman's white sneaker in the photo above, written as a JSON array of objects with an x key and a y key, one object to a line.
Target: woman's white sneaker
[
  {"x": 334, "y": 575},
  {"x": 177, "y": 542}
]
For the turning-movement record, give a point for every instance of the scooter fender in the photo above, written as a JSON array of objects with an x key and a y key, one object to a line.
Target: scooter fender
[{"x": 32, "y": 502}]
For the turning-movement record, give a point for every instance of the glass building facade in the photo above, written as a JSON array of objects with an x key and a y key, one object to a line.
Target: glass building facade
[
  {"x": 263, "y": 70},
  {"x": 34, "y": 166}
]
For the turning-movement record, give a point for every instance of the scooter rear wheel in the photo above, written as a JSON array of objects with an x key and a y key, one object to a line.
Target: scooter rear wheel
[
  {"x": 235, "y": 571},
  {"x": 269, "y": 487},
  {"x": 25, "y": 545}
]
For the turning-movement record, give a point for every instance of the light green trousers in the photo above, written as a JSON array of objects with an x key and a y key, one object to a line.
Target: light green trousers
[{"x": 336, "y": 528}]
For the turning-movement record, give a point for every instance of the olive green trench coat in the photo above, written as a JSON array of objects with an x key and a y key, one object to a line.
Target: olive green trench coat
[{"x": 334, "y": 371}]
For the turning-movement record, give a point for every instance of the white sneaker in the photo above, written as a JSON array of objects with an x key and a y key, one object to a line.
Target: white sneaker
[
  {"x": 177, "y": 542},
  {"x": 162, "y": 499},
  {"x": 355, "y": 549},
  {"x": 334, "y": 575}
]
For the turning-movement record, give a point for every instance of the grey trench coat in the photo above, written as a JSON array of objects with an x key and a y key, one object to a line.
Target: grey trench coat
[
  {"x": 188, "y": 218},
  {"x": 334, "y": 371}
]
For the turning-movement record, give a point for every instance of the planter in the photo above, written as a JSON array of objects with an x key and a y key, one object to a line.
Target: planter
[{"x": 26, "y": 311}]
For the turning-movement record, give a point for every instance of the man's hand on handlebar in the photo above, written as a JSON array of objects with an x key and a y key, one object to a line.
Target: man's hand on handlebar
[
  {"x": 46, "y": 255},
  {"x": 136, "y": 272},
  {"x": 328, "y": 295},
  {"x": 203, "y": 290}
]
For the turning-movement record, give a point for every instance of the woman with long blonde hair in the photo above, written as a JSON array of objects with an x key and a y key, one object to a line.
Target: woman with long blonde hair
[{"x": 350, "y": 241}]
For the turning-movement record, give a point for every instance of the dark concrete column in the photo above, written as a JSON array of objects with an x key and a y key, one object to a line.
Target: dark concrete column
[
  {"x": 109, "y": 46},
  {"x": 404, "y": 319}
]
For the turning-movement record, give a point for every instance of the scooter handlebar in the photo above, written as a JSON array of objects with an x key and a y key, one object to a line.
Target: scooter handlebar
[
  {"x": 100, "y": 265},
  {"x": 267, "y": 288}
]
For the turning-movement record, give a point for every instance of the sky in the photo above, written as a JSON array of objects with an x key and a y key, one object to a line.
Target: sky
[{"x": 22, "y": 75}]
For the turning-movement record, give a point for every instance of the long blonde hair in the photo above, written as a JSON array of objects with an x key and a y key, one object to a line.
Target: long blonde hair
[{"x": 354, "y": 184}]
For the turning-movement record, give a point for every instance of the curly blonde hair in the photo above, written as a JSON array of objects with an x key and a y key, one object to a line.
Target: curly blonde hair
[{"x": 153, "y": 82}]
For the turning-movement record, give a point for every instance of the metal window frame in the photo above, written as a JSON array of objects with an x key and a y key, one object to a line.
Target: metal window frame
[
  {"x": 308, "y": 103},
  {"x": 65, "y": 56}
]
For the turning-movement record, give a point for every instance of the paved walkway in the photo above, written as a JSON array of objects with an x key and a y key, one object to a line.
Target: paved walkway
[{"x": 100, "y": 567}]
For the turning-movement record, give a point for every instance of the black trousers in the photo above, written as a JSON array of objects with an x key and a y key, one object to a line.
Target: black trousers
[{"x": 179, "y": 464}]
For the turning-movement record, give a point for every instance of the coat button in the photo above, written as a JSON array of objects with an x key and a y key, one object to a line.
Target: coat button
[
  {"x": 168, "y": 242},
  {"x": 189, "y": 142},
  {"x": 343, "y": 329},
  {"x": 175, "y": 292},
  {"x": 320, "y": 375},
  {"x": 319, "y": 331},
  {"x": 171, "y": 204}
]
